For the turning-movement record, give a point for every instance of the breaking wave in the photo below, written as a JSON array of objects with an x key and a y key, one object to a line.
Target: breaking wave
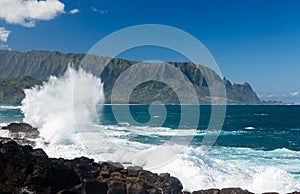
[{"x": 50, "y": 107}]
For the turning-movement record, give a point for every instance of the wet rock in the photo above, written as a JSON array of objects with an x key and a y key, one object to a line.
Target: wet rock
[
  {"x": 22, "y": 131},
  {"x": 270, "y": 193},
  {"x": 136, "y": 168},
  {"x": 223, "y": 191},
  {"x": 94, "y": 186},
  {"x": 19, "y": 141},
  {"x": 234, "y": 191},
  {"x": 116, "y": 164},
  {"x": 135, "y": 188},
  {"x": 116, "y": 187},
  {"x": 133, "y": 170},
  {"x": 27, "y": 170},
  {"x": 115, "y": 175},
  {"x": 64, "y": 178},
  {"x": 165, "y": 183}
]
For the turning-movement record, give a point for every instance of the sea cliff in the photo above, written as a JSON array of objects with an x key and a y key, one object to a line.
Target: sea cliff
[{"x": 38, "y": 66}]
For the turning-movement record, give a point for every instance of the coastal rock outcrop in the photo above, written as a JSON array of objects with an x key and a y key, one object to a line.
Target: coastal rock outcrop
[
  {"x": 27, "y": 170},
  {"x": 22, "y": 130},
  {"x": 22, "y": 133}
]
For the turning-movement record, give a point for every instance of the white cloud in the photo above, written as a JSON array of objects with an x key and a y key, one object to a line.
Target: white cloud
[
  {"x": 279, "y": 95},
  {"x": 294, "y": 94},
  {"x": 4, "y": 34},
  {"x": 27, "y": 12},
  {"x": 272, "y": 95},
  {"x": 94, "y": 9},
  {"x": 4, "y": 47},
  {"x": 103, "y": 11},
  {"x": 74, "y": 11}
]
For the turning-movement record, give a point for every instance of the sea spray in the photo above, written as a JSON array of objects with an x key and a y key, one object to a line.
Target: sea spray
[{"x": 50, "y": 107}]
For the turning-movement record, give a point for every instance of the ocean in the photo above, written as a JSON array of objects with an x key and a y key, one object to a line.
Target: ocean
[{"x": 257, "y": 148}]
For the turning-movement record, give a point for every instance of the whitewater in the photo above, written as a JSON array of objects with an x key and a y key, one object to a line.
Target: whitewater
[{"x": 68, "y": 134}]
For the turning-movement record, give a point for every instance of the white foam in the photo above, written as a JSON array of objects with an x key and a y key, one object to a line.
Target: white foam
[
  {"x": 10, "y": 107},
  {"x": 273, "y": 179},
  {"x": 198, "y": 171},
  {"x": 249, "y": 128},
  {"x": 50, "y": 106},
  {"x": 260, "y": 114},
  {"x": 4, "y": 133},
  {"x": 3, "y": 124}
]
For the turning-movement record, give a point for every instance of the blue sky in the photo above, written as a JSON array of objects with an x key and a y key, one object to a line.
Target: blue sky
[{"x": 253, "y": 41}]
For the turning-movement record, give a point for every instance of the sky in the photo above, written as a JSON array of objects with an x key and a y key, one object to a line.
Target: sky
[{"x": 255, "y": 41}]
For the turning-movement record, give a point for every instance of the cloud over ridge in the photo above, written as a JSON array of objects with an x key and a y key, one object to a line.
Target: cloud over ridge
[{"x": 4, "y": 34}]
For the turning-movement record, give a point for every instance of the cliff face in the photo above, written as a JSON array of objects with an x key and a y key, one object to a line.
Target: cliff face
[
  {"x": 11, "y": 90},
  {"x": 41, "y": 64}
]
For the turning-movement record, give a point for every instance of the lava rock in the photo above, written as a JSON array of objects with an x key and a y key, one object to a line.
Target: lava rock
[
  {"x": 16, "y": 129},
  {"x": 27, "y": 170}
]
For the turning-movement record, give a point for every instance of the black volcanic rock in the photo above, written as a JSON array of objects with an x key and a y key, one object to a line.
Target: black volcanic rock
[
  {"x": 27, "y": 130},
  {"x": 22, "y": 133},
  {"x": 23, "y": 168},
  {"x": 223, "y": 191}
]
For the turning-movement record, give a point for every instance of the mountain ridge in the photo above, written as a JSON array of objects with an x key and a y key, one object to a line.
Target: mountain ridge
[{"x": 41, "y": 64}]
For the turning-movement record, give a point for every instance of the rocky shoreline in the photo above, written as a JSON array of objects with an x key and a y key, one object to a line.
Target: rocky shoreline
[{"x": 27, "y": 170}]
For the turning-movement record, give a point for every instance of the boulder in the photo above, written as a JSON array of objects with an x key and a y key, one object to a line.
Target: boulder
[
  {"x": 22, "y": 131},
  {"x": 223, "y": 191}
]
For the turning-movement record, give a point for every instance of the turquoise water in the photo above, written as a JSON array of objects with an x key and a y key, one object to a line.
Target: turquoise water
[
  {"x": 258, "y": 148},
  {"x": 256, "y": 127},
  {"x": 10, "y": 114}
]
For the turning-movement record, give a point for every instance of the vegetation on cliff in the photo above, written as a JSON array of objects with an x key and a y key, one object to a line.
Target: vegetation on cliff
[
  {"x": 39, "y": 65},
  {"x": 12, "y": 90}
]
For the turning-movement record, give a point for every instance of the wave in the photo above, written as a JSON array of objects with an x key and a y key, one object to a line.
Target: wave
[
  {"x": 3, "y": 124},
  {"x": 236, "y": 168},
  {"x": 10, "y": 107},
  {"x": 125, "y": 128},
  {"x": 5, "y": 133},
  {"x": 50, "y": 107},
  {"x": 260, "y": 114},
  {"x": 249, "y": 128}
]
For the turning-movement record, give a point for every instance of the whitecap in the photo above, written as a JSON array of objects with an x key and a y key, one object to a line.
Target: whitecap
[
  {"x": 10, "y": 107},
  {"x": 249, "y": 128}
]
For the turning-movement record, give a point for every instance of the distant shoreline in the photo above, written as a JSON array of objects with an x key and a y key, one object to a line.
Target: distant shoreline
[{"x": 13, "y": 106}]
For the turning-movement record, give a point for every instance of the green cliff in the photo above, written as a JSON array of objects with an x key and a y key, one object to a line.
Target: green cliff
[
  {"x": 12, "y": 90},
  {"x": 39, "y": 65}
]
